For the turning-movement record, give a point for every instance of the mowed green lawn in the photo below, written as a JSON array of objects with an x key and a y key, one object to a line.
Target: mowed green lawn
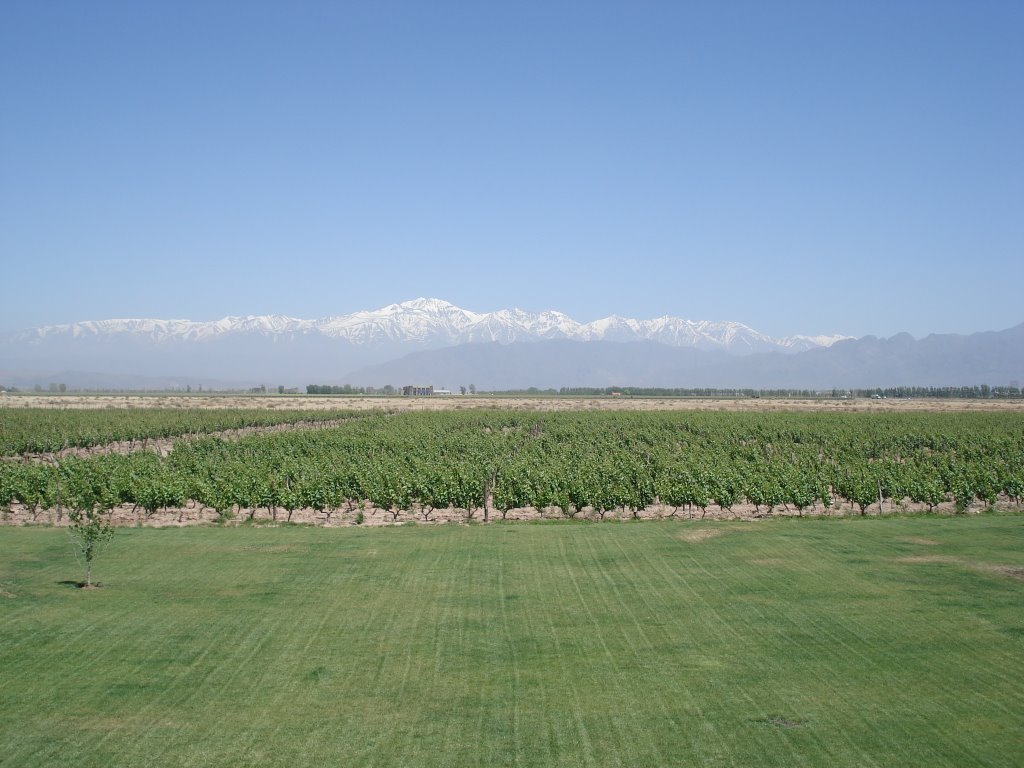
[{"x": 892, "y": 642}]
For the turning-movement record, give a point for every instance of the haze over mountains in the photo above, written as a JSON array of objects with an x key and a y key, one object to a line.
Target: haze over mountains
[
  {"x": 430, "y": 341},
  {"x": 937, "y": 360}
]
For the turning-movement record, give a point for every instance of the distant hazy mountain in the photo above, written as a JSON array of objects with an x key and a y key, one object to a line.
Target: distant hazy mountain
[
  {"x": 544, "y": 364},
  {"x": 938, "y": 360},
  {"x": 97, "y": 381},
  {"x": 279, "y": 349}
]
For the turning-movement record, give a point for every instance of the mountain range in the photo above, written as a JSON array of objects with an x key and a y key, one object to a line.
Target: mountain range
[
  {"x": 431, "y": 341},
  {"x": 433, "y": 322},
  {"x": 995, "y": 358}
]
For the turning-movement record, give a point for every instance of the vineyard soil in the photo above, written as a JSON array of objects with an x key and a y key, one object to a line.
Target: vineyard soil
[{"x": 127, "y": 515}]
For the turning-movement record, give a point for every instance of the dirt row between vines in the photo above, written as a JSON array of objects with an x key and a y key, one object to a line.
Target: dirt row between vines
[
  {"x": 195, "y": 514},
  {"x": 164, "y": 445}
]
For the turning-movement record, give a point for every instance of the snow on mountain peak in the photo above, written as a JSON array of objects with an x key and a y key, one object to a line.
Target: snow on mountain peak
[
  {"x": 428, "y": 305},
  {"x": 433, "y": 322}
]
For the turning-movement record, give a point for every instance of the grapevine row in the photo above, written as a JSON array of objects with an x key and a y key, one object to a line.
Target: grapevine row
[
  {"x": 491, "y": 462},
  {"x": 46, "y": 430}
]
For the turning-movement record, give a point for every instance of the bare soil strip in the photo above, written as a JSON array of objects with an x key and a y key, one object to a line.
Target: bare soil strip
[
  {"x": 700, "y": 534},
  {"x": 164, "y": 445},
  {"x": 196, "y": 514}
]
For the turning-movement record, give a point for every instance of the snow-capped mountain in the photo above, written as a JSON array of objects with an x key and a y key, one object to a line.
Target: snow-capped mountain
[
  {"x": 434, "y": 322},
  {"x": 429, "y": 341}
]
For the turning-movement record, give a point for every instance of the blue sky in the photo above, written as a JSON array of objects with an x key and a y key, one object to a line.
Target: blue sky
[{"x": 801, "y": 167}]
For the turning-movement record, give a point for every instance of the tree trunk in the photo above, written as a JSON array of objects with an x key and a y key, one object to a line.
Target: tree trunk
[{"x": 489, "y": 495}]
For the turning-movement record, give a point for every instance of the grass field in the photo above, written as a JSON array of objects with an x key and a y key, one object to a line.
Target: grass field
[{"x": 885, "y": 642}]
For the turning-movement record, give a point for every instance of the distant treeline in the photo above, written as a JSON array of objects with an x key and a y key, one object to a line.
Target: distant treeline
[
  {"x": 685, "y": 392},
  {"x": 347, "y": 389},
  {"x": 980, "y": 391}
]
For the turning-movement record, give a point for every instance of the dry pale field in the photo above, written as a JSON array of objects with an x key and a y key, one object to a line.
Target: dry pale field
[{"x": 460, "y": 402}]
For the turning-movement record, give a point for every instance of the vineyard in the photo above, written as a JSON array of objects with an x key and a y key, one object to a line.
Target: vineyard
[
  {"x": 482, "y": 465},
  {"x": 45, "y": 430}
]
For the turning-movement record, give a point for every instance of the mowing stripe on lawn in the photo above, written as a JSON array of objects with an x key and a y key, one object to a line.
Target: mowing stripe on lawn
[{"x": 803, "y": 643}]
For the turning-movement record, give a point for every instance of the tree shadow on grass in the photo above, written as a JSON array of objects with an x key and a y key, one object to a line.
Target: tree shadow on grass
[{"x": 79, "y": 584}]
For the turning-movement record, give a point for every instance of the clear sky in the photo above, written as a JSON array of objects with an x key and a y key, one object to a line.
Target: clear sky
[{"x": 812, "y": 167}]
